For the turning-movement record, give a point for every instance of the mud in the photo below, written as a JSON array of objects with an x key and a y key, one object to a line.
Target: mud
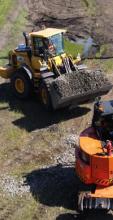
[
  {"x": 77, "y": 83},
  {"x": 81, "y": 18}
]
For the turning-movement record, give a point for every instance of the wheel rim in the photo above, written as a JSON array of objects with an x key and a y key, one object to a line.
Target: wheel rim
[
  {"x": 44, "y": 96},
  {"x": 19, "y": 85}
]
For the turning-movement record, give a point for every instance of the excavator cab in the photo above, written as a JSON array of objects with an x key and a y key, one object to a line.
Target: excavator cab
[{"x": 103, "y": 119}]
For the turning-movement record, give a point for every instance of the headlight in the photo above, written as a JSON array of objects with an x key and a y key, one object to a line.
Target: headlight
[{"x": 78, "y": 57}]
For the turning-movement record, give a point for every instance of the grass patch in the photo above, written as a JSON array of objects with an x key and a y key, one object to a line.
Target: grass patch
[
  {"x": 16, "y": 35},
  {"x": 89, "y": 3},
  {"x": 106, "y": 51},
  {"x": 5, "y": 7},
  {"x": 103, "y": 50},
  {"x": 16, "y": 114},
  {"x": 17, "y": 207},
  {"x": 3, "y": 105},
  {"x": 16, "y": 135},
  {"x": 27, "y": 211},
  {"x": 12, "y": 139},
  {"x": 72, "y": 48},
  {"x": 105, "y": 65},
  {"x": 91, "y": 6}
]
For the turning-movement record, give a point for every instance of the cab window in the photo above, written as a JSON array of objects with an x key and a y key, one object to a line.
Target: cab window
[{"x": 38, "y": 46}]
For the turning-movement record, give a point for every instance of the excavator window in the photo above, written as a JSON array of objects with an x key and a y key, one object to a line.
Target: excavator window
[{"x": 104, "y": 126}]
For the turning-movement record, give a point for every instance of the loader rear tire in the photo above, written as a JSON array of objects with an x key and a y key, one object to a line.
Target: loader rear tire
[
  {"x": 20, "y": 85},
  {"x": 45, "y": 96}
]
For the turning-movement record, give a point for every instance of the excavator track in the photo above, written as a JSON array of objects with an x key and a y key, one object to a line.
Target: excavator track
[{"x": 86, "y": 202}]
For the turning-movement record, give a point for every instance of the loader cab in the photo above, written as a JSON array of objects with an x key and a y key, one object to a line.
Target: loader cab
[
  {"x": 46, "y": 44},
  {"x": 51, "y": 46}
]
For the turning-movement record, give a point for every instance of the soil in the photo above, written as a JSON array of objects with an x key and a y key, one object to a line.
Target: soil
[
  {"x": 37, "y": 158},
  {"x": 80, "y": 19},
  {"x": 37, "y": 150}
]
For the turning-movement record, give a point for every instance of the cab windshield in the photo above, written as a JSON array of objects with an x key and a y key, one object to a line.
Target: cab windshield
[
  {"x": 106, "y": 127},
  {"x": 57, "y": 41},
  {"x": 107, "y": 122}
]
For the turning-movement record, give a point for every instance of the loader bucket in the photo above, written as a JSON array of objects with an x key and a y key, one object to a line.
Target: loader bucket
[
  {"x": 78, "y": 88},
  {"x": 77, "y": 99}
]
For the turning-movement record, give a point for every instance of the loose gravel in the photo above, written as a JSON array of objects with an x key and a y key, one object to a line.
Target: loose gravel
[
  {"x": 68, "y": 157},
  {"x": 11, "y": 186},
  {"x": 81, "y": 82}
]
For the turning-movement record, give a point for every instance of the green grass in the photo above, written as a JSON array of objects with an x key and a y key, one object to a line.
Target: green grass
[
  {"x": 15, "y": 33},
  {"x": 89, "y": 3},
  {"x": 103, "y": 50},
  {"x": 91, "y": 6},
  {"x": 72, "y": 48},
  {"x": 105, "y": 64},
  {"x": 27, "y": 211},
  {"x": 18, "y": 208},
  {"x": 15, "y": 134},
  {"x": 5, "y": 7}
]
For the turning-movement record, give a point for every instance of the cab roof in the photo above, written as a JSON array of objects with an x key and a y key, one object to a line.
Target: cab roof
[{"x": 48, "y": 32}]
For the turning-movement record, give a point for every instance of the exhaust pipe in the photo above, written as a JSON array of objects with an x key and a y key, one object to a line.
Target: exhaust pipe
[{"x": 26, "y": 36}]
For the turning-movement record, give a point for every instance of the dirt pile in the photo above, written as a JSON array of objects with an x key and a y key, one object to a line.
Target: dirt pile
[
  {"x": 81, "y": 18},
  {"x": 71, "y": 14},
  {"x": 77, "y": 83}
]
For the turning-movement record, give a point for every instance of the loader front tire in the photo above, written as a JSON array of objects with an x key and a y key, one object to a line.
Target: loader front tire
[
  {"x": 45, "y": 96},
  {"x": 21, "y": 85}
]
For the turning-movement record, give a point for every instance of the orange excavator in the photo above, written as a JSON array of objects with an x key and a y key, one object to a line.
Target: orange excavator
[{"x": 94, "y": 160}]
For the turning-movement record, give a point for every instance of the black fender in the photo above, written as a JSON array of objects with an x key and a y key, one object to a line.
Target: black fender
[{"x": 27, "y": 71}]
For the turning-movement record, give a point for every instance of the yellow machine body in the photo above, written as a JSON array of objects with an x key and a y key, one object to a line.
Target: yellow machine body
[
  {"x": 35, "y": 66},
  {"x": 19, "y": 57}
]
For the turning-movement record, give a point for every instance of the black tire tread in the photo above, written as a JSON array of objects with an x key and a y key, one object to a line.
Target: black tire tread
[{"x": 28, "y": 85}]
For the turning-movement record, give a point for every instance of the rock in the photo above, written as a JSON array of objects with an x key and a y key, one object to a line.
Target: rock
[
  {"x": 12, "y": 187},
  {"x": 77, "y": 83}
]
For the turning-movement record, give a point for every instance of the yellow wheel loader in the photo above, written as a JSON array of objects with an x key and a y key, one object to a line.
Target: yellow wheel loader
[{"x": 41, "y": 65}]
